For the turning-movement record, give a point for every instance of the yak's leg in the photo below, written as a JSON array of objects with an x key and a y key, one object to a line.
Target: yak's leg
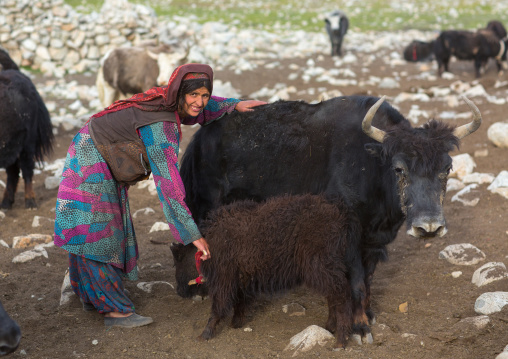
[
  {"x": 340, "y": 309},
  {"x": 12, "y": 184},
  {"x": 242, "y": 304},
  {"x": 217, "y": 315},
  {"x": 477, "y": 66},
  {"x": 27, "y": 170}
]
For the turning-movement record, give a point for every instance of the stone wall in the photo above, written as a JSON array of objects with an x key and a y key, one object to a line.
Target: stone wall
[{"x": 50, "y": 36}]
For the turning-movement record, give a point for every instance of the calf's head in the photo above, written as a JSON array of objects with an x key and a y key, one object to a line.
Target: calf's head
[
  {"x": 185, "y": 271},
  {"x": 421, "y": 163}
]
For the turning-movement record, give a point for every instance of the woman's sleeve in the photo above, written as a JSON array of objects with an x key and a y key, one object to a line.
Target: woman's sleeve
[
  {"x": 215, "y": 109},
  {"x": 161, "y": 142}
]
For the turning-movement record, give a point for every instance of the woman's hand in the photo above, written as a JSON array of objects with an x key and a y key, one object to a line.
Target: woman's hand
[
  {"x": 202, "y": 246},
  {"x": 247, "y": 105}
]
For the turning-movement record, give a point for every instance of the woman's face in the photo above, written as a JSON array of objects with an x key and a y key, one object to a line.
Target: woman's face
[{"x": 195, "y": 101}]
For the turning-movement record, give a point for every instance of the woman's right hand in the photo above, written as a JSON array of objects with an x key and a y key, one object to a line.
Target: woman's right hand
[{"x": 202, "y": 246}]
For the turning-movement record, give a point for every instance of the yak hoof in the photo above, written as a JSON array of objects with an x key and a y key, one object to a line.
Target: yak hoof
[
  {"x": 357, "y": 339},
  {"x": 368, "y": 339},
  {"x": 6, "y": 204},
  {"x": 30, "y": 203},
  {"x": 200, "y": 338}
]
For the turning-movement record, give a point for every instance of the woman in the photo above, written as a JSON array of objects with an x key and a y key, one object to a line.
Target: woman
[{"x": 118, "y": 147}]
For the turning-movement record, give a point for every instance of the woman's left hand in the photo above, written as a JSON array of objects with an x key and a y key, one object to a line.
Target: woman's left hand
[
  {"x": 202, "y": 246},
  {"x": 247, "y": 105}
]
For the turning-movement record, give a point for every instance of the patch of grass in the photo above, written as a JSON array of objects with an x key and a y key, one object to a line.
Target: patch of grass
[{"x": 370, "y": 15}]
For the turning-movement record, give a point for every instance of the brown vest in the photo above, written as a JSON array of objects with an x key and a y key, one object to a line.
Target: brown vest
[{"x": 117, "y": 140}]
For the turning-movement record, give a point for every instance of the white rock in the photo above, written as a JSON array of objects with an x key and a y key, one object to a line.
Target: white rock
[
  {"x": 456, "y": 274},
  {"x": 389, "y": 83},
  {"x": 489, "y": 272},
  {"x": 159, "y": 226},
  {"x": 144, "y": 211},
  {"x": 3, "y": 243},
  {"x": 465, "y": 190},
  {"x": 462, "y": 164},
  {"x": 308, "y": 338},
  {"x": 500, "y": 184},
  {"x": 454, "y": 184},
  {"x": 479, "y": 322},
  {"x": 462, "y": 254},
  {"x": 66, "y": 291},
  {"x": 479, "y": 178},
  {"x": 148, "y": 286},
  {"x": 23, "y": 257},
  {"x": 491, "y": 302},
  {"x": 498, "y": 134}
]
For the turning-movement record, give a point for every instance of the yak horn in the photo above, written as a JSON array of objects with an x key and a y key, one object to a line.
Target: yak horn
[
  {"x": 371, "y": 131},
  {"x": 467, "y": 129}
]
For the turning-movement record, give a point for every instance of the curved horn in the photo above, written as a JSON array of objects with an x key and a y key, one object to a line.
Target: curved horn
[
  {"x": 464, "y": 130},
  {"x": 371, "y": 131}
]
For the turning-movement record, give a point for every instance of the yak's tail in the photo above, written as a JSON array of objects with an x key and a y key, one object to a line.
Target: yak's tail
[{"x": 45, "y": 137}]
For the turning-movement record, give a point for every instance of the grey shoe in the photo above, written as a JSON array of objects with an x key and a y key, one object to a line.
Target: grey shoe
[
  {"x": 87, "y": 307},
  {"x": 131, "y": 321}
]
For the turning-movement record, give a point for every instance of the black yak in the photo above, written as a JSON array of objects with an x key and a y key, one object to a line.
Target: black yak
[
  {"x": 26, "y": 133},
  {"x": 386, "y": 170},
  {"x": 10, "y": 334},
  {"x": 336, "y": 24},
  {"x": 274, "y": 246},
  {"x": 479, "y": 46}
]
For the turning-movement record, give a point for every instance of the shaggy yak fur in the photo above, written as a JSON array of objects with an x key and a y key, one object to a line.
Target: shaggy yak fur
[
  {"x": 275, "y": 246},
  {"x": 26, "y": 134},
  {"x": 497, "y": 28},
  {"x": 10, "y": 334}
]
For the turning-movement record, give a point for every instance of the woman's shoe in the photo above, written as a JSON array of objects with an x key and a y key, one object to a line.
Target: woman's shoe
[
  {"x": 87, "y": 307},
  {"x": 132, "y": 321}
]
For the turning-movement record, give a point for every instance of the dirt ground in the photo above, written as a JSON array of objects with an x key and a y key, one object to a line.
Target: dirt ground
[{"x": 413, "y": 274}]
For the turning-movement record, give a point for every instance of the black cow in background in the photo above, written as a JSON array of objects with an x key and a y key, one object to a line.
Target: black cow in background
[
  {"x": 479, "y": 46},
  {"x": 10, "y": 334},
  {"x": 387, "y": 174},
  {"x": 26, "y": 133},
  {"x": 336, "y": 24},
  {"x": 418, "y": 51},
  {"x": 497, "y": 28}
]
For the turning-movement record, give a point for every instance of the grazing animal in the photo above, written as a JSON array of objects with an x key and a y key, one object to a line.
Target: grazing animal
[
  {"x": 10, "y": 334},
  {"x": 350, "y": 147},
  {"x": 131, "y": 70},
  {"x": 336, "y": 24},
  {"x": 418, "y": 51},
  {"x": 26, "y": 133},
  {"x": 497, "y": 28},
  {"x": 275, "y": 246},
  {"x": 479, "y": 46}
]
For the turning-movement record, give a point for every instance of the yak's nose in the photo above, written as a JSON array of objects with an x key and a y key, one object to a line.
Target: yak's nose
[{"x": 428, "y": 228}]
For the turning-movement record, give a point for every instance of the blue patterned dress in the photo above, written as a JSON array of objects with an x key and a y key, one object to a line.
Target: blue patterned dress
[{"x": 93, "y": 220}]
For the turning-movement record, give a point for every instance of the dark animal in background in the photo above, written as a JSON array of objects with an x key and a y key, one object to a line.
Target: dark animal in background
[
  {"x": 336, "y": 24},
  {"x": 10, "y": 334},
  {"x": 479, "y": 46},
  {"x": 497, "y": 28},
  {"x": 26, "y": 133},
  {"x": 418, "y": 51},
  {"x": 387, "y": 174},
  {"x": 276, "y": 246}
]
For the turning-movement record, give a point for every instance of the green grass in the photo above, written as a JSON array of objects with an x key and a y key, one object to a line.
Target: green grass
[{"x": 368, "y": 15}]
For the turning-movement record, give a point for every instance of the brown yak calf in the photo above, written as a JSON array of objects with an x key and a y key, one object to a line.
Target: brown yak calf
[{"x": 280, "y": 244}]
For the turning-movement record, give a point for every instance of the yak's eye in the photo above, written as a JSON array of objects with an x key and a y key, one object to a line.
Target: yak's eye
[{"x": 399, "y": 170}]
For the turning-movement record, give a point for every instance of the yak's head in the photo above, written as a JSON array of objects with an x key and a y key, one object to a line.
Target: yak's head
[
  {"x": 421, "y": 163},
  {"x": 185, "y": 271}
]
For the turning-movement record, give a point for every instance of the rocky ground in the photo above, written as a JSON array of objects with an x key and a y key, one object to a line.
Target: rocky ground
[{"x": 437, "y": 301}]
